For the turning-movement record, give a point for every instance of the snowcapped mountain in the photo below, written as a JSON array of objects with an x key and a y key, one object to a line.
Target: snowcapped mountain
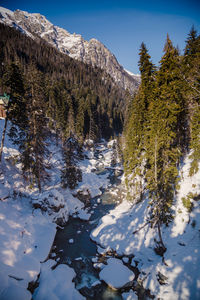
[{"x": 91, "y": 52}]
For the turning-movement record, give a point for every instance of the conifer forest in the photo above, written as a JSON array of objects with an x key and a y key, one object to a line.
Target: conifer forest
[{"x": 99, "y": 185}]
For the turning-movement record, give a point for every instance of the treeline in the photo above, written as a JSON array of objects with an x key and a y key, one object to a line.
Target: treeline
[
  {"x": 163, "y": 124},
  {"x": 51, "y": 92}
]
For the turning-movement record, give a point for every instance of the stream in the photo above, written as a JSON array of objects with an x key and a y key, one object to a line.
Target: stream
[{"x": 73, "y": 246}]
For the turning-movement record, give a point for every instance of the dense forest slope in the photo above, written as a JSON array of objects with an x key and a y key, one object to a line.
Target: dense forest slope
[
  {"x": 91, "y": 52},
  {"x": 163, "y": 125},
  {"x": 51, "y": 91},
  {"x": 67, "y": 82}
]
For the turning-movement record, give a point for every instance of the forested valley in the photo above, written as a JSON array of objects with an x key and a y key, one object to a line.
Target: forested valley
[
  {"x": 106, "y": 181},
  {"x": 49, "y": 90}
]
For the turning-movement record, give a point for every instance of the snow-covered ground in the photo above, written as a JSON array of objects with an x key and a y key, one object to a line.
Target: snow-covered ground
[
  {"x": 27, "y": 234},
  {"x": 26, "y": 239},
  {"x": 124, "y": 229}
]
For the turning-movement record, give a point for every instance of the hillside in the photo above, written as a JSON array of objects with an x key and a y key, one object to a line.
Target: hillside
[
  {"x": 91, "y": 52},
  {"x": 81, "y": 83}
]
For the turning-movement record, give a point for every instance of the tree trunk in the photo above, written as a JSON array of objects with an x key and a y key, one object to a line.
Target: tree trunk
[
  {"x": 3, "y": 137},
  {"x": 160, "y": 236},
  {"x": 155, "y": 161}
]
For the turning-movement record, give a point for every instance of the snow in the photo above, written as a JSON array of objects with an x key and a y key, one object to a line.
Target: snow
[
  {"x": 25, "y": 241},
  {"x": 115, "y": 274},
  {"x": 132, "y": 74},
  {"x": 53, "y": 200},
  {"x": 91, "y": 182},
  {"x": 126, "y": 230},
  {"x": 84, "y": 216},
  {"x": 27, "y": 234},
  {"x": 78, "y": 258},
  {"x": 56, "y": 284},
  {"x": 98, "y": 266},
  {"x": 125, "y": 259},
  {"x": 130, "y": 296},
  {"x": 13, "y": 291},
  {"x": 8, "y": 17},
  {"x": 97, "y": 282},
  {"x": 5, "y": 11}
]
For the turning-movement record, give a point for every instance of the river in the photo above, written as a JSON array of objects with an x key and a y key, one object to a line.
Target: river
[{"x": 74, "y": 247}]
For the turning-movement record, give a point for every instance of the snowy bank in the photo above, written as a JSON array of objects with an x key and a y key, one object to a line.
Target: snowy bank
[
  {"x": 28, "y": 221},
  {"x": 26, "y": 239},
  {"x": 126, "y": 230}
]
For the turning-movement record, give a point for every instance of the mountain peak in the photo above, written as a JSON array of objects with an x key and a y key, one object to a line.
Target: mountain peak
[
  {"x": 92, "y": 52},
  {"x": 5, "y": 11}
]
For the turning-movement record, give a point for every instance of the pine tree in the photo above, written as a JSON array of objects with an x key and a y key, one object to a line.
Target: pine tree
[
  {"x": 71, "y": 174},
  {"x": 80, "y": 118},
  {"x": 134, "y": 153},
  {"x": 191, "y": 70},
  {"x": 164, "y": 132},
  {"x": 34, "y": 150}
]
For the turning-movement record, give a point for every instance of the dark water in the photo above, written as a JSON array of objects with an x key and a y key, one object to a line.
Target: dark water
[{"x": 79, "y": 254}]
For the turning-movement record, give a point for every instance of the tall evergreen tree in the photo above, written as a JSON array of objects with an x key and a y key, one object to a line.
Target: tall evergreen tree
[
  {"x": 34, "y": 149},
  {"x": 71, "y": 174},
  {"x": 80, "y": 118},
  {"x": 164, "y": 136},
  {"x": 191, "y": 70},
  {"x": 134, "y": 153}
]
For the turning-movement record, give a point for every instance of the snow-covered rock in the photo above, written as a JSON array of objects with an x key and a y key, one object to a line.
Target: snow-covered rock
[
  {"x": 125, "y": 259},
  {"x": 98, "y": 266},
  {"x": 115, "y": 274},
  {"x": 97, "y": 282},
  {"x": 53, "y": 203},
  {"x": 130, "y": 296},
  {"x": 56, "y": 284},
  {"x": 92, "y": 183}
]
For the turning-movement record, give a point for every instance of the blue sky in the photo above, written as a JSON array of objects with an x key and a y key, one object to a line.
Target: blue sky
[{"x": 121, "y": 25}]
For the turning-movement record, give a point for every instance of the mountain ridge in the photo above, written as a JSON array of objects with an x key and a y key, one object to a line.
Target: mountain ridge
[{"x": 92, "y": 52}]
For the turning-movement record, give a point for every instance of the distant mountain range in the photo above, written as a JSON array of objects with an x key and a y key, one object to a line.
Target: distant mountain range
[{"x": 91, "y": 52}]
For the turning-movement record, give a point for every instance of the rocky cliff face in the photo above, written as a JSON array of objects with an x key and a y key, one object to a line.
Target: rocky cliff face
[{"x": 91, "y": 52}]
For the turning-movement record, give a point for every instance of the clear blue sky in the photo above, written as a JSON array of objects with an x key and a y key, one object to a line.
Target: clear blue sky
[{"x": 121, "y": 25}]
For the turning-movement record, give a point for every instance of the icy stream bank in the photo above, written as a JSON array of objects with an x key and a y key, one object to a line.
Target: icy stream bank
[
  {"x": 27, "y": 220},
  {"x": 72, "y": 245}
]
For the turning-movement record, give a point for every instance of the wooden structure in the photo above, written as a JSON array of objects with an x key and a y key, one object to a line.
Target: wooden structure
[{"x": 3, "y": 105}]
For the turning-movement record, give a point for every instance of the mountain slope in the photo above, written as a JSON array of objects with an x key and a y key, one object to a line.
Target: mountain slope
[
  {"x": 91, "y": 52},
  {"x": 102, "y": 102}
]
